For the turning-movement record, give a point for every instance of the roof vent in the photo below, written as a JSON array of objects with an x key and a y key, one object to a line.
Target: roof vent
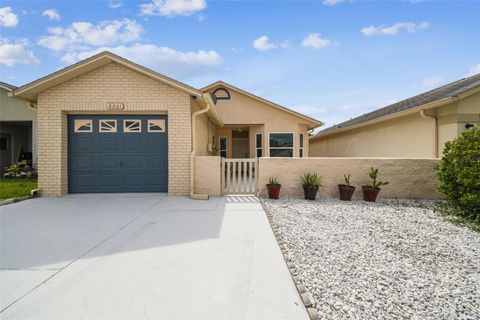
[{"x": 221, "y": 94}]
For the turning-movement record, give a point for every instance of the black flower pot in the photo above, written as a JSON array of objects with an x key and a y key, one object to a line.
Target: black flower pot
[{"x": 310, "y": 192}]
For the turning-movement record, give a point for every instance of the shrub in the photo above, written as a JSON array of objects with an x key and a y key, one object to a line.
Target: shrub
[
  {"x": 459, "y": 174},
  {"x": 373, "y": 176}
]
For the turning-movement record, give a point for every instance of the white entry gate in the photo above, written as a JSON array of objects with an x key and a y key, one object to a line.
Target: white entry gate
[{"x": 239, "y": 176}]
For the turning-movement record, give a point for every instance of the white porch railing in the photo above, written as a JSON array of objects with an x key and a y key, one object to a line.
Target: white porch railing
[{"x": 239, "y": 176}]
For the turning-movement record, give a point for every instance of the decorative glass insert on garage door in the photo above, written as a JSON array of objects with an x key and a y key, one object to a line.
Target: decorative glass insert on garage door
[{"x": 117, "y": 153}]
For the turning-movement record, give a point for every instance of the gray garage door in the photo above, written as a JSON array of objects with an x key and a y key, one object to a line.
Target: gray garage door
[{"x": 117, "y": 153}]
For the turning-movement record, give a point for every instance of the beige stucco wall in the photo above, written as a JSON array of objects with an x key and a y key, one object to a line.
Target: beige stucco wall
[
  {"x": 208, "y": 175},
  {"x": 411, "y": 136},
  {"x": 408, "y": 178},
  {"x": 13, "y": 109},
  {"x": 89, "y": 93},
  {"x": 245, "y": 111},
  {"x": 408, "y": 136}
]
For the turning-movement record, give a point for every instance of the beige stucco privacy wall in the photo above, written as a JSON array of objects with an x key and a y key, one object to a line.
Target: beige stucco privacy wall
[
  {"x": 408, "y": 178},
  {"x": 208, "y": 175},
  {"x": 89, "y": 93}
]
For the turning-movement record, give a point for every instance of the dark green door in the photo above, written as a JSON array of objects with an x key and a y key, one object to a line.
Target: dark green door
[{"x": 117, "y": 153}]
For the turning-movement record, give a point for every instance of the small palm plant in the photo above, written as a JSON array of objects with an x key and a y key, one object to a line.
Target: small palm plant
[
  {"x": 370, "y": 191},
  {"x": 311, "y": 183},
  {"x": 346, "y": 190},
  {"x": 273, "y": 188}
]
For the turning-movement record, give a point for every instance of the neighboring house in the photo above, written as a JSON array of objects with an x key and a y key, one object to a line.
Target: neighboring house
[
  {"x": 417, "y": 127},
  {"x": 17, "y": 129},
  {"x": 106, "y": 124}
]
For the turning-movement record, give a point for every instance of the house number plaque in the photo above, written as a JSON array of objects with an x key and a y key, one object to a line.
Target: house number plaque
[{"x": 115, "y": 106}]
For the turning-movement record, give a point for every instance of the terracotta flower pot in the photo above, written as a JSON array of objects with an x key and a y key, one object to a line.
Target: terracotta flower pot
[
  {"x": 346, "y": 193},
  {"x": 273, "y": 191},
  {"x": 370, "y": 194},
  {"x": 310, "y": 192}
]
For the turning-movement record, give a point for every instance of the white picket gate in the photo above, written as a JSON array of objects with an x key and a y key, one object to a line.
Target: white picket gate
[{"x": 239, "y": 176}]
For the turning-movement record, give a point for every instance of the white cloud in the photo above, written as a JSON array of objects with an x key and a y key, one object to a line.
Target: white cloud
[
  {"x": 313, "y": 40},
  {"x": 115, "y": 4},
  {"x": 172, "y": 7},
  {"x": 52, "y": 14},
  {"x": 12, "y": 54},
  {"x": 8, "y": 18},
  {"x": 332, "y": 2},
  {"x": 310, "y": 110},
  {"x": 264, "y": 44},
  {"x": 165, "y": 60},
  {"x": 432, "y": 81},
  {"x": 394, "y": 29},
  {"x": 474, "y": 70},
  {"x": 85, "y": 34}
]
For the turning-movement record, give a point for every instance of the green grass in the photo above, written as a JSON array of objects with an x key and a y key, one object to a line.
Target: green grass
[{"x": 16, "y": 187}]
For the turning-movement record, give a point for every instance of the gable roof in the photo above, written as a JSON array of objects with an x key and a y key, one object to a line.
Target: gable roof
[
  {"x": 7, "y": 86},
  {"x": 315, "y": 123},
  {"x": 32, "y": 89},
  {"x": 442, "y": 94}
]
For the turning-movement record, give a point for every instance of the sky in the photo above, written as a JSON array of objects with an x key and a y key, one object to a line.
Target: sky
[{"x": 329, "y": 59}]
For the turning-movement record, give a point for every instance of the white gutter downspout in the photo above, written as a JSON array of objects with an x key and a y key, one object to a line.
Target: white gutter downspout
[
  {"x": 424, "y": 115},
  {"x": 193, "y": 195}
]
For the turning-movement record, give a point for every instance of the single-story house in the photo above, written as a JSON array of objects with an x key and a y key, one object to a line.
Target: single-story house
[
  {"x": 417, "y": 127},
  {"x": 18, "y": 121},
  {"x": 106, "y": 124}
]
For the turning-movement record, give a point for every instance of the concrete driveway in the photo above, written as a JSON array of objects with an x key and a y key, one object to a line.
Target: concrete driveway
[{"x": 142, "y": 256}]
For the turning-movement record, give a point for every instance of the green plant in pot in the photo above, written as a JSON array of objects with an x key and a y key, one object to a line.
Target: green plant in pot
[
  {"x": 311, "y": 183},
  {"x": 370, "y": 192},
  {"x": 346, "y": 190},
  {"x": 273, "y": 188}
]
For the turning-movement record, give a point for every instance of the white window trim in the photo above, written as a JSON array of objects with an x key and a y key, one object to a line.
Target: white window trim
[
  {"x": 226, "y": 145},
  {"x": 83, "y": 131},
  {"x": 124, "y": 125},
  {"x": 256, "y": 147},
  {"x": 293, "y": 147},
  {"x": 157, "y": 131},
  {"x": 100, "y": 125},
  {"x": 301, "y": 143}
]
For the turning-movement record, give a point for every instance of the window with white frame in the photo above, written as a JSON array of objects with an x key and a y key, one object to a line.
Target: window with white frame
[
  {"x": 301, "y": 145},
  {"x": 132, "y": 125},
  {"x": 107, "y": 126},
  {"x": 259, "y": 145},
  {"x": 83, "y": 125},
  {"x": 223, "y": 147},
  {"x": 280, "y": 144}
]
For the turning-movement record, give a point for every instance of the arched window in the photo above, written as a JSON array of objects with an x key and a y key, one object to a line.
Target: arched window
[{"x": 221, "y": 94}]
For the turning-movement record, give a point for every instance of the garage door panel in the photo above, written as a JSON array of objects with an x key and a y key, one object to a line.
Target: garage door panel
[
  {"x": 112, "y": 179},
  {"x": 106, "y": 144},
  {"x": 83, "y": 143},
  {"x": 106, "y": 161},
  {"x": 117, "y": 161},
  {"x": 133, "y": 143},
  {"x": 156, "y": 161},
  {"x": 83, "y": 162},
  {"x": 133, "y": 161}
]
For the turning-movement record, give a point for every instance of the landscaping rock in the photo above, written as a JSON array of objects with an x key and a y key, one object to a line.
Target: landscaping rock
[{"x": 393, "y": 259}]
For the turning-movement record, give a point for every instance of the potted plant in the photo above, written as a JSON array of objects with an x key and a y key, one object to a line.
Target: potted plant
[
  {"x": 311, "y": 183},
  {"x": 370, "y": 192},
  {"x": 346, "y": 190},
  {"x": 273, "y": 188}
]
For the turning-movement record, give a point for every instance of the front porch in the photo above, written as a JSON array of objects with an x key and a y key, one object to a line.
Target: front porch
[{"x": 240, "y": 141}]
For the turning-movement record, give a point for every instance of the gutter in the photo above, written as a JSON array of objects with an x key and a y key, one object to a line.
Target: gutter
[
  {"x": 209, "y": 103},
  {"x": 435, "y": 119},
  {"x": 430, "y": 105}
]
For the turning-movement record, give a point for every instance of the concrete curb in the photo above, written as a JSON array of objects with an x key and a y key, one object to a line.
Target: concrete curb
[
  {"x": 297, "y": 280},
  {"x": 33, "y": 194}
]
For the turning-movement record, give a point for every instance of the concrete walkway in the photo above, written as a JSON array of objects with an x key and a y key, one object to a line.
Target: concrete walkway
[{"x": 142, "y": 256}]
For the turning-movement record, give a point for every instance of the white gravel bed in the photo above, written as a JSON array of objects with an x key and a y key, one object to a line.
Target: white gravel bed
[{"x": 394, "y": 259}]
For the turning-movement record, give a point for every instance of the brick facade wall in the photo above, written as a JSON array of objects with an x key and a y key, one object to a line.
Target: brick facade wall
[{"x": 90, "y": 93}]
